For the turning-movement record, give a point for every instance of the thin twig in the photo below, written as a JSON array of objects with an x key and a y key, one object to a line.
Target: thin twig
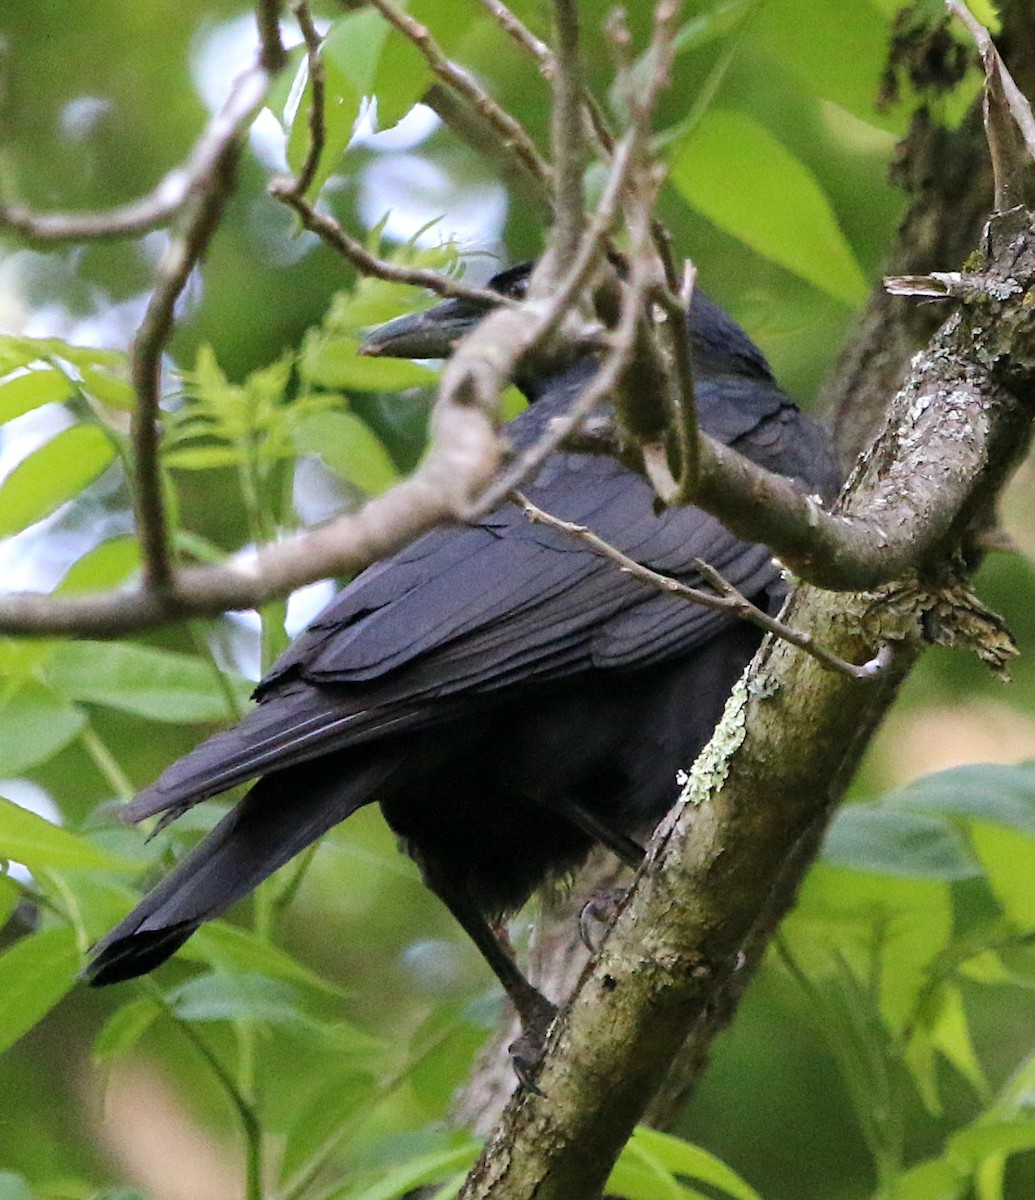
[
  {"x": 603, "y": 384},
  {"x": 521, "y": 34},
  {"x": 460, "y": 461},
  {"x": 161, "y": 204},
  {"x": 681, "y": 379},
  {"x": 728, "y": 599},
  {"x": 567, "y": 137},
  {"x": 596, "y": 121},
  {"x": 273, "y": 55},
  {"x": 1000, "y": 89},
  {"x": 627, "y": 158},
  {"x": 511, "y": 132},
  {"x": 331, "y": 233},
  {"x": 317, "y": 80},
  {"x": 185, "y": 250}
]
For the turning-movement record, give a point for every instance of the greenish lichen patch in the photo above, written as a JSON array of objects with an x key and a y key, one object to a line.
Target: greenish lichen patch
[{"x": 710, "y": 770}]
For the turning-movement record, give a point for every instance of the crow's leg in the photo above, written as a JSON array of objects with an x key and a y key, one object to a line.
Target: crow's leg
[
  {"x": 535, "y": 1012},
  {"x": 624, "y": 848}
]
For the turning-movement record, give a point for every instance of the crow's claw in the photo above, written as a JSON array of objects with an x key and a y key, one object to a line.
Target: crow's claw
[{"x": 602, "y": 907}]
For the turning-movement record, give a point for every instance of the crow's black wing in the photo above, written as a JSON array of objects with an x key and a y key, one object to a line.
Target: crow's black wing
[{"x": 468, "y": 611}]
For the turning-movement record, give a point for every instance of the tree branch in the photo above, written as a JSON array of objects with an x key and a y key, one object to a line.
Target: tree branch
[
  {"x": 463, "y": 455},
  {"x": 353, "y": 251},
  {"x": 568, "y": 140},
  {"x": 169, "y": 195},
  {"x": 185, "y": 250},
  {"x": 725, "y": 598},
  {"x": 317, "y": 80},
  {"x": 725, "y": 865},
  {"x": 511, "y": 133},
  {"x": 273, "y": 55}
]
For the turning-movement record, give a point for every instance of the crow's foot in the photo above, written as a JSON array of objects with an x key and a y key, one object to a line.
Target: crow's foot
[
  {"x": 526, "y": 1051},
  {"x": 602, "y": 907}
]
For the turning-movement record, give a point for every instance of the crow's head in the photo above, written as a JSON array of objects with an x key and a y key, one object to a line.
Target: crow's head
[
  {"x": 719, "y": 346},
  {"x": 435, "y": 332}
]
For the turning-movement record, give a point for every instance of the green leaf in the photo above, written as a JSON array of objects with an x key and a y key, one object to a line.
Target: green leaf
[
  {"x": 684, "y": 1158},
  {"x": 341, "y": 108},
  {"x": 633, "y": 1177},
  {"x": 27, "y": 838},
  {"x": 22, "y": 393},
  {"x": 107, "y": 565},
  {"x": 35, "y": 723},
  {"x": 229, "y": 948},
  {"x": 443, "y": 1048},
  {"x": 1002, "y": 795},
  {"x": 157, "y": 684},
  {"x": 349, "y": 447},
  {"x": 22, "y": 351},
  {"x": 430, "y": 1168},
  {"x": 853, "y": 915},
  {"x": 14, "y": 1187},
  {"x": 1006, "y": 859},
  {"x": 35, "y": 975},
  {"x": 402, "y": 78},
  {"x": 203, "y": 458},
  {"x": 52, "y": 475},
  {"x": 123, "y": 1029},
  {"x": 869, "y": 837},
  {"x": 848, "y": 80},
  {"x": 732, "y": 169},
  {"x": 220, "y": 997},
  {"x": 999, "y": 802},
  {"x": 935, "y": 1180},
  {"x": 111, "y": 390},
  {"x": 981, "y": 1141},
  {"x": 951, "y": 1035},
  {"x": 243, "y": 996},
  {"x": 353, "y": 46},
  {"x": 321, "y": 1109},
  {"x": 715, "y": 22}
]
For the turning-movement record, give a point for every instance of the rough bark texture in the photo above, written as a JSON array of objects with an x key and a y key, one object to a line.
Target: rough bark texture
[
  {"x": 726, "y": 864},
  {"x": 949, "y": 177}
]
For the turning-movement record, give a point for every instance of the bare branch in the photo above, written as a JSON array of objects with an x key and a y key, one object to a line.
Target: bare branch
[
  {"x": 596, "y": 122},
  {"x": 603, "y": 384},
  {"x": 461, "y": 460},
  {"x": 167, "y": 198},
  {"x": 679, "y": 377},
  {"x": 568, "y": 140},
  {"x": 353, "y": 251},
  {"x": 728, "y": 599},
  {"x": 273, "y": 55},
  {"x": 628, "y": 182},
  {"x": 317, "y": 79},
  {"x": 510, "y": 131},
  {"x": 1002, "y": 96},
  {"x": 521, "y": 34},
  {"x": 185, "y": 250}
]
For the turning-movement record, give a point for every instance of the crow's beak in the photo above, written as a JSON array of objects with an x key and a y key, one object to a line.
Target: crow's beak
[{"x": 430, "y": 334}]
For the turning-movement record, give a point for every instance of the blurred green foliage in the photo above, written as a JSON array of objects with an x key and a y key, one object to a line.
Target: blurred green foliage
[{"x": 886, "y": 1048}]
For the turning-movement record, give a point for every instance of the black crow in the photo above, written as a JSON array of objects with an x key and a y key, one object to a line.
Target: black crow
[{"x": 507, "y": 695}]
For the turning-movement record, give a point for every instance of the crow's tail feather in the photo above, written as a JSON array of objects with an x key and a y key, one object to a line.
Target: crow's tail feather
[{"x": 282, "y": 814}]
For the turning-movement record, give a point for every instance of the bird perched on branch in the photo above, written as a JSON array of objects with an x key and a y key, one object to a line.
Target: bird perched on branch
[{"x": 506, "y": 694}]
